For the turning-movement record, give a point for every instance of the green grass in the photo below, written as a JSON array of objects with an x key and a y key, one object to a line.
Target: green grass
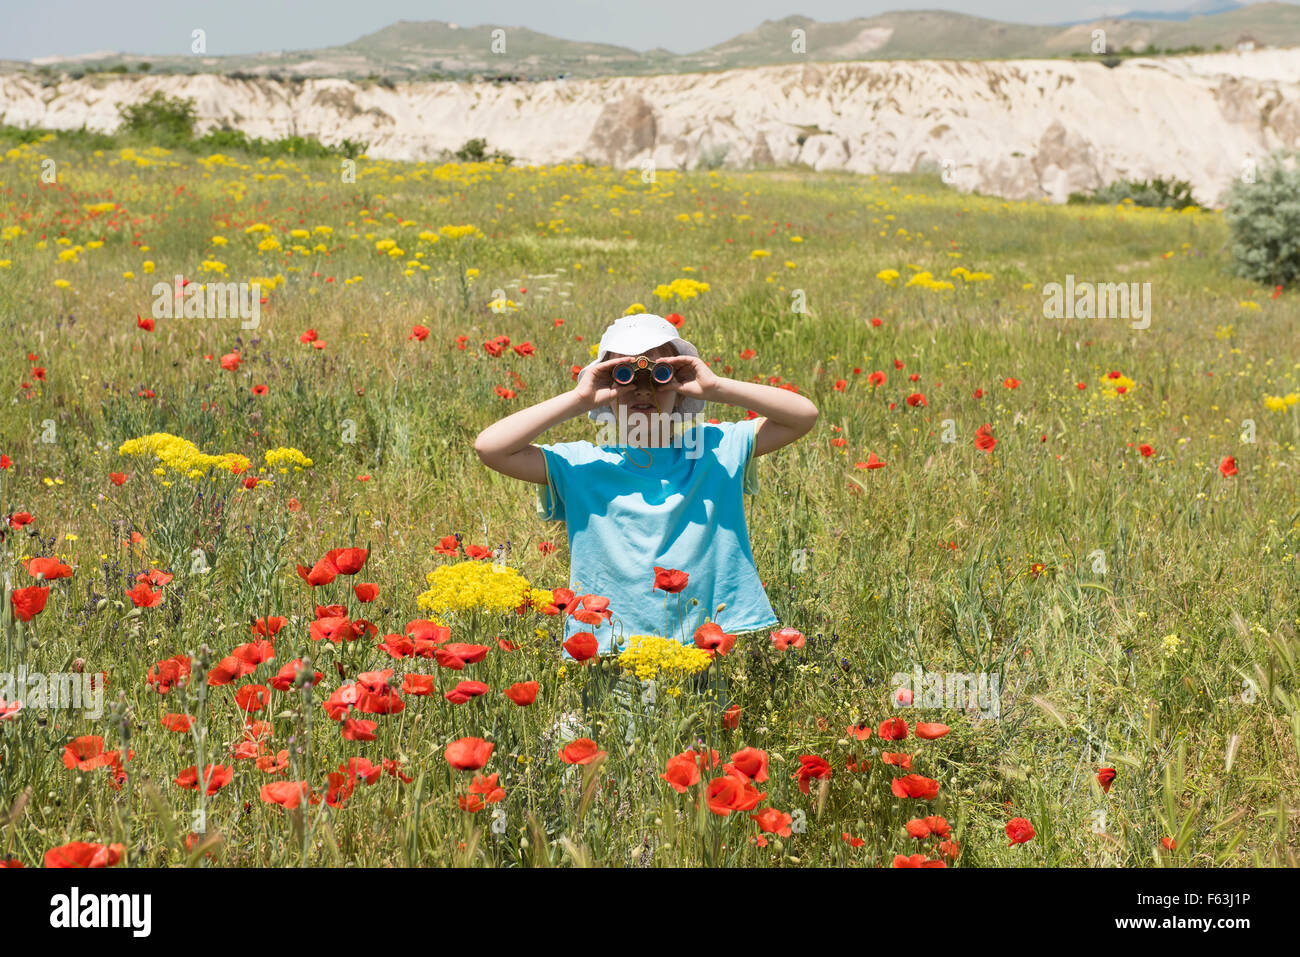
[{"x": 932, "y": 561}]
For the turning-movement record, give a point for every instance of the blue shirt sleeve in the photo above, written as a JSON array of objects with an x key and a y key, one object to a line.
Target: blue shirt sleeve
[
  {"x": 736, "y": 452},
  {"x": 550, "y": 497}
]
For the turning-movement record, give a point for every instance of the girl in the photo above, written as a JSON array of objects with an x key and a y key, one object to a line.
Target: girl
[{"x": 649, "y": 499}]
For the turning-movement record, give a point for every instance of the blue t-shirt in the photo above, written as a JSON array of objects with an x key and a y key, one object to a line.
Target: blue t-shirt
[{"x": 683, "y": 510}]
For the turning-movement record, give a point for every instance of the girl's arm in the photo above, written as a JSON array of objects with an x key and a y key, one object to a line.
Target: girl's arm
[
  {"x": 785, "y": 415},
  {"x": 507, "y": 445}
]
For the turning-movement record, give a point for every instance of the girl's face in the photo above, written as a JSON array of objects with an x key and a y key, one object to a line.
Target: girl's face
[{"x": 642, "y": 396}]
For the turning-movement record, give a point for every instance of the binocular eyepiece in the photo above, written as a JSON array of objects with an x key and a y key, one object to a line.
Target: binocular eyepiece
[{"x": 660, "y": 372}]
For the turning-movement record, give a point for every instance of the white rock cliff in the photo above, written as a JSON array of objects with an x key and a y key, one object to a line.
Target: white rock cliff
[{"x": 1022, "y": 129}]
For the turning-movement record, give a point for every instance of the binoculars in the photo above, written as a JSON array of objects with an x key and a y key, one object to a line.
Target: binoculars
[{"x": 660, "y": 372}]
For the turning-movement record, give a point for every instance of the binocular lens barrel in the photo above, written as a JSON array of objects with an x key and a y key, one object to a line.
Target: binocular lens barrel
[{"x": 662, "y": 373}]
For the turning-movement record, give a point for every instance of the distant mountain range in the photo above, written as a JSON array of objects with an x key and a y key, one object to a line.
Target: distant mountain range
[{"x": 434, "y": 49}]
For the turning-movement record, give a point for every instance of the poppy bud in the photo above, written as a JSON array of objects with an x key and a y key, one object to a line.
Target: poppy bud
[{"x": 78, "y": 665}]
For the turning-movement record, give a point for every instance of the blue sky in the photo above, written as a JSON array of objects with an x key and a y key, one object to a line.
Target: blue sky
[{"x": 37, "y": 28}]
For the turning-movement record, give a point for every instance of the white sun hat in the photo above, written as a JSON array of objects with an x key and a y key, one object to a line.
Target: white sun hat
[{"x": 634, "y": 335}]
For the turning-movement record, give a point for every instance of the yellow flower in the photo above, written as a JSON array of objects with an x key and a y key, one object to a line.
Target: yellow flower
[
  {"x": 887, "y": 275},
  {"x": 469, "y": 585},
  {"x": 182, "y": 456},
  {"x": 287, "y": 454},
  {"x": 649, "y": 656},
  {"x": 681, "y": 288}
]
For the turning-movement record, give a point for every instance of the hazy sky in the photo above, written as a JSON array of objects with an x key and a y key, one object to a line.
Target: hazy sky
[{"x": 36, "y": 28}]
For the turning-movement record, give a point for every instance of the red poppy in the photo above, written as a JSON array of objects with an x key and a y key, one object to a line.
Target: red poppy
[
  {"x": 465, "y": 690},
  {"x": 592, "y": 610},
  {"x": 269, "y": 626},
  {"x": 1228, "y": 466},
  {"x": 915, "y": 399},
  {"x": 915, "y": 786},
  {"x": 930, "y": 730},
  {"x": 1019, "y": 831},
  {"x": 322, "y": 573},
  {"x": 348, "y": 561},
  {"x": 752, "y": 763},
  {"x": 51, "y": 568},
  {"x": 168, "y": 673},
  {"x": 581, "y": 751},
  {"x": 418, "y": 332},
  {"x": 984, "y": 439},
  {"x": 1146, "y": 450},
  {"x": 179, "y": 723},
  {"x": 682, "y": 772},
  {"x": 811, "y": 766},
  {"x": 731, "y": 718},
  {"x": 1104, "y": 777},
  {"x": 711, "y": 637},
  {"x": 284, "y": 678},
  {"x": 230, "y": 361},
  {"x": 456, "y": 655},
  {"x": 333, "y": 629},
  {"x": 670, "y": 579},
  {"x": 83, "y": 854},
  {"x": 916, "y": 860},
  {"x": 252, "y": 697},
  {"x": 366, "y": 591},
  {"x": 861, "y": 731},
  {"x": 773, "y": 821},
  {"x": 418, "y": 684},
  {"x": 893, "y": 729},
  {"x": 359, "y": 729},
  {"x": 87, "y": 753},
  {"x": 787, "y": 637},
  {"x": 142, "y": 596},
  {"x": 468, "y": 754},
  {"x": 522, "y": 693},
  {"x": 582, "y": 646},
  {"x": 488, "y": 787},
  {"x": 286, "y": 793},
  {"x": 732, "y": 792},
  {"x": 29, "y": 602},
  {"x": 216, "y": 777}
]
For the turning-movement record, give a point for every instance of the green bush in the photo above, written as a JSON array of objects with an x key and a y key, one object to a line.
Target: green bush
[
  {"x": 476, "y": 151},
  {"x": 300, "y": 146},
  {"x": 163, "y": 119},
  {"x": 1157, "y": 193},
  {"x": 1264, "y": 217}
]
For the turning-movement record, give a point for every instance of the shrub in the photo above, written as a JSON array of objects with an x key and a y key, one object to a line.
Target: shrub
[
  {"x": 476, "y": 151},
  {"x": 1264, "y": 218},
  {"x": 1157, "y": 193},
  {"x": 160, "y": 118}
]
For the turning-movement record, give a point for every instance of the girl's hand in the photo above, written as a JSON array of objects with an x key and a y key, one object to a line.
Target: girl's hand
[
  {"x": 596, "y": 386},
  {"x": 691, "y": 377}
]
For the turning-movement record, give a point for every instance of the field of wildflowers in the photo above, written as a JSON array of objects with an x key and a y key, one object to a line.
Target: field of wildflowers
[{"x": 1037, "y": 576}]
